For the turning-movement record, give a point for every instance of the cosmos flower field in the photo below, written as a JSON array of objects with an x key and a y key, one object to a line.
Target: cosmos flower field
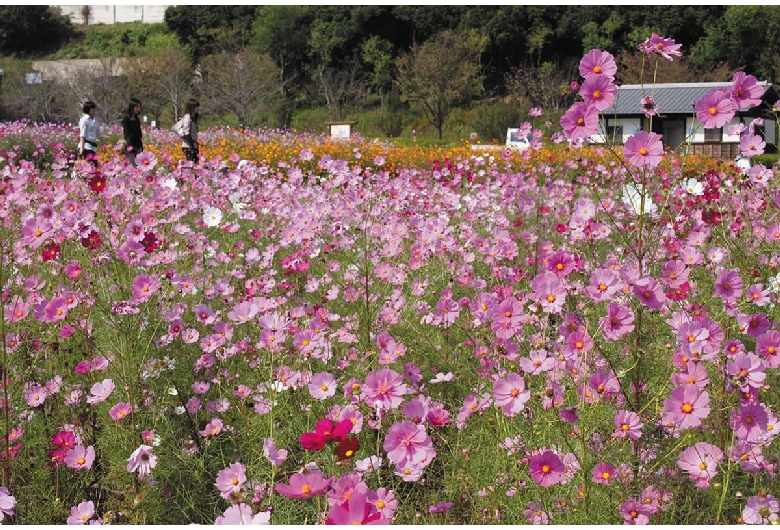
[{"x": 305, "y": 331}]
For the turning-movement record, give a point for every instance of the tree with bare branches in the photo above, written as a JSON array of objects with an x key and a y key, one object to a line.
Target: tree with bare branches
[{"x": 244, "y": 84}]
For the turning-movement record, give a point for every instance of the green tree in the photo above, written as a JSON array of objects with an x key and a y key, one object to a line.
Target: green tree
[
  {"x": 442, "y": 74},
  {"x": 282, "y": 32},
  {"x": 32, "y": 30},
  {"x": 204, "y": 29},
  {"x": 740, "y": 41}
]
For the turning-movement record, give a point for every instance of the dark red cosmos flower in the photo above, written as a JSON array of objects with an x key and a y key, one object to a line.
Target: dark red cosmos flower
[
  {"x": 92, "y": 241},
  {"x": 97, "y": 183},
  {"x": 50, "y": 251},
  {"x": 150, "y": 242},
  {"x": 324, "y": 432},
  {"x": 347, "y": 448}
]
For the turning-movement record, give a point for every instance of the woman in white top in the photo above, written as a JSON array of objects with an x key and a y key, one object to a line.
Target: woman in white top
[
  {"x": 89, "y": 133},
  {"x": 189, "y": 124}
]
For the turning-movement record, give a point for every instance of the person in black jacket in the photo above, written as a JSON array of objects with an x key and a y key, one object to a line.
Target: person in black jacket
[{"x": 131, "y": 128}]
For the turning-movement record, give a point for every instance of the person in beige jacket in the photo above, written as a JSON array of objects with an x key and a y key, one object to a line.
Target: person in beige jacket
[{"x": 189, "y": 125}]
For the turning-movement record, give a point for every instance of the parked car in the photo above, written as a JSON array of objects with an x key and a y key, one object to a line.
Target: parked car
[{"x": 515, "y": 140}]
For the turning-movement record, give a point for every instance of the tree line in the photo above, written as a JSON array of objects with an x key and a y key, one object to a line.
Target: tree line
[{"x": 261, "y": 64}]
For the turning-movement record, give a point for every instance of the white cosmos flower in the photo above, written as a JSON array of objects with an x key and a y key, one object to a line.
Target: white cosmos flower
[
  {"x": 212, "y": 216},
  {"x": 632, "y": 197},
  {"x": 693, "y": 186},
  {"x": 170, "y": 183}
]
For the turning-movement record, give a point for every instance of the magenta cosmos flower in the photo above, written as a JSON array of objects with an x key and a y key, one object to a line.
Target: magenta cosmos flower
[
  {"x": 749, "y": 421},
  {"x": 510, "y": 394},
  {"x": 751, "y": 145},
  {"x": 304, "y": 485},
  {"x": 716, "y": 108},
  {"x": 686, "y": 407},
  {"x": 580, "y": 121},
  {"x": 635, "y": 513},
  {"x": 598, "y": 63},
  {"x": 644, "y": 149},
  {"x": 546, "y": 469}
]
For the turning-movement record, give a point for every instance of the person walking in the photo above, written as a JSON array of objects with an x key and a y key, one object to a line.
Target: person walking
[
  {"x": 189, "y": 129},
  {"x": 89, "y": 134},
  {"x": 131, "y": 129}
]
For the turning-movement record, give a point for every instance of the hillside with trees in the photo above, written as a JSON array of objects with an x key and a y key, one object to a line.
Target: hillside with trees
[{"x": 395, "y": 67}]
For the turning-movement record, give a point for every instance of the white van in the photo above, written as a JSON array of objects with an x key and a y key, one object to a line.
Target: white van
[{"x": 515, "y": 141}]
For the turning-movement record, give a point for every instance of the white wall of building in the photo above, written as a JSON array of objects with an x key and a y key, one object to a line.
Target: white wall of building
[{"x": 114, "y": 14}]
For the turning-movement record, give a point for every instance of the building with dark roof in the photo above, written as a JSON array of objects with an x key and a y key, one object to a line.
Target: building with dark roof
[{"x": 676, "y": 120}]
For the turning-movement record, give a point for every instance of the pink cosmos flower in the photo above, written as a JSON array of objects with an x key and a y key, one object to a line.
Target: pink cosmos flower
[
  {"x": 603, "y": 473},
  {"x": 664, "y": 47},
  {"x": 345, "y": 487},
  {"x": 580, "y": 121},
  {"x": 627, "y": 423},
  {"x": 700, "y": 462},
  {"x": 304, "y": 485},
  {"x": 213, "y": 428},
  {"x": 746, "y": 91},
  {"x": 746, "y": 370},
  {"x": 274, "y": 455},
  {"x": 761, "y": 509},
  {"x": 100, "y": 391},
  {"x": 81, "y": 513},
  {"x": 546, "y": 469},
  {"x": 357, "y": 510},
  {"x": 603, "y": 285},
  {"x": 241, "y": 514},
  {"x": 549, "y": 292},
  {"x": 506, "y": 318},
  {"x": 598, "y": 91},
  {"x": 80, "y": 457},
  {"x": 768, "y": 347},
  {"x": 230, "y": 480},
  {"x": 760, "y": 175},
  {"x": 598, "y": 63},
  {"x": 384, "y": 387},
  {"x": 408, "y": 443},
  {"x": 748, "y": 422},
  {"x": 729, "y": 286},
  {"x": 510, "y": 394},
  {"x": 142, "y": 460},
  {"x": 751, "y": 145},
  {"x": 644, "y": 149},
  {"x": 7, "y": 503},
  {"x": 686, "y": 407},
  {"x": 716, "y": 108},
  {"x": 635, "y": 513},
  {"x": 649, "y": 292},
  {"x": 35, "y": 394},
  {"x": 119, "y": 411},
  {"x": 322, "y": 386},
  {"x": 384, "y": 500}
]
